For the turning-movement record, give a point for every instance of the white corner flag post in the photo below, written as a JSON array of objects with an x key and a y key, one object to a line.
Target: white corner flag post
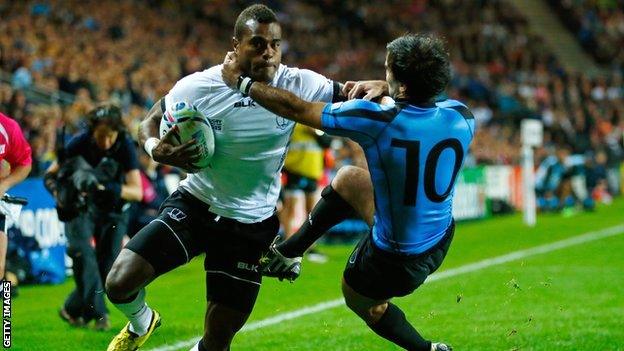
[{"x": 532, "y": 131}]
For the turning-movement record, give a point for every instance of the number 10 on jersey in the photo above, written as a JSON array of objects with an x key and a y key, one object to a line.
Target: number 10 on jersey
[{"x": 412, "y": 168}]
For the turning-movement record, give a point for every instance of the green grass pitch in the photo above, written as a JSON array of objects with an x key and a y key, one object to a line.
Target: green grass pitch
[{"x": 571, "y": 298}]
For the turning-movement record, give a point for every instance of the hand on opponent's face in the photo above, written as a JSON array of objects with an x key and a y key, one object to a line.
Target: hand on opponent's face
[{"x": 365, "y": 89}]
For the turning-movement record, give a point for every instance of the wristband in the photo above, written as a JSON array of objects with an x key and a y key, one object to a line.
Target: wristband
[
  {"x": 150, "y": 144},
  {"x": 244, "y": 84}
]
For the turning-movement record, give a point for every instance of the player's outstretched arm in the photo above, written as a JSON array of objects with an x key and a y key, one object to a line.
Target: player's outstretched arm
[
  {"x": 278, "y": 101},
  {"x": 287, "y": 104},
  {"x": 163, "y": 150}
]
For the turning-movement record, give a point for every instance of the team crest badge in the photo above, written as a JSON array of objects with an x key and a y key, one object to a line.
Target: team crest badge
[
  {"x": 176, "y": 214},
  {"x": 282, "y": 123}
]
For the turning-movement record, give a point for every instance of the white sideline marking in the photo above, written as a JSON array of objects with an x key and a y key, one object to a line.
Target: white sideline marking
[{"x": 489, "y": 262}]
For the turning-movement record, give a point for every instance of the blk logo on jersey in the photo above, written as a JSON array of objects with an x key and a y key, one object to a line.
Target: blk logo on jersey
[
  {"x": 247, "y": 266},
  {"x": 176, "y": 214},
  {"x": 245, "y": 103}
]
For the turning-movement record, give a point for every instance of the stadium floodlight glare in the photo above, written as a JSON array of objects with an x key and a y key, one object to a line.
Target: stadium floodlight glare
[{"x": 532, "y": 133}]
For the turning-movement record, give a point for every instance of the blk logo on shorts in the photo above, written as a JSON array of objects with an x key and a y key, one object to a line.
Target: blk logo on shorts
[
  {"x": 247, "y": 266},
  {"x": 176, "y": 214}
]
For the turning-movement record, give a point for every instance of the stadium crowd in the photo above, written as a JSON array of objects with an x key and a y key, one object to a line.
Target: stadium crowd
[
  {"x": 131, "y": 52},
  {"x": 598, "y": 25}
]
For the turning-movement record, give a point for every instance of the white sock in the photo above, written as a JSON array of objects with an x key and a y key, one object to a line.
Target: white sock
[
  {"x": 196, "y": 347},
  {"x": 138, "y": 313}
]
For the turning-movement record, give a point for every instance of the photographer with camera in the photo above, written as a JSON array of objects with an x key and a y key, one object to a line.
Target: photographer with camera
[
  {"x": 15, "y": 150},
  {"x": 96, "y": 174}
]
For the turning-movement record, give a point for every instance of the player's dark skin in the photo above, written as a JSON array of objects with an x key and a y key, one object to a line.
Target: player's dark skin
[{"x": 260, "y": 54}]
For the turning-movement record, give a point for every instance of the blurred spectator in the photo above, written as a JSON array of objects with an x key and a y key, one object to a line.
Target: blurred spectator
[{"x": 599, "y": 26}]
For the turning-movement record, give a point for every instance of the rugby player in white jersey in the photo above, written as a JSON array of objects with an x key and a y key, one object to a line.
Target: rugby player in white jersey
[{"x": 226, "y": 210}]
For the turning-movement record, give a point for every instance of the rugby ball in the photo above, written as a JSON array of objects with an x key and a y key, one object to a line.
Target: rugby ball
[{"x": 191, "y": 124}]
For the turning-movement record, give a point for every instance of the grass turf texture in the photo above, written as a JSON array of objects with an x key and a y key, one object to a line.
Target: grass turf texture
[{"x": 568, "y": 299}]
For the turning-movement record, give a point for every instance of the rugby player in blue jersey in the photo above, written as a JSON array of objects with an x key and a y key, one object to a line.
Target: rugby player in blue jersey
[{"x": 414, "y": 148}]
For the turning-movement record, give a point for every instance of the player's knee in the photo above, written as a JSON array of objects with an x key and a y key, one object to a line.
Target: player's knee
[
  {"x": 350, "y": 181},
  {"x": 119, "y": 283},
  {"x": 343, "y": 177},
  {"x": 129, "y": 273},
  {"x": 117, "y": 288},
  {"x": 375, "y": 313},
  {"x": 370, "y": 315}
]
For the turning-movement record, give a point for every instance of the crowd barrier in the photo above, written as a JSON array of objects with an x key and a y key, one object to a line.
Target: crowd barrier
[{"x": 37, "y": 240}]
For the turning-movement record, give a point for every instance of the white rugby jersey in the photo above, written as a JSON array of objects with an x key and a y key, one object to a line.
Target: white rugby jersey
[{"x": 243, "y": 179}]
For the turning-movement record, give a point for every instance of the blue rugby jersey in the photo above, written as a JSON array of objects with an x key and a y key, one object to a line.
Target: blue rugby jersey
[{"x": 414, "y": 155}]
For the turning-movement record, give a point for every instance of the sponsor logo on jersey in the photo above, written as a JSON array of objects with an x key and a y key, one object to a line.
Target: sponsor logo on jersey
[
  {"x": 247, "y": 266},
  {"x": 245, "y": 103},
  {"x": 216, "y": 124},
  {"x": 180, "y": 105},
  {"x": 176, "y": 214}
]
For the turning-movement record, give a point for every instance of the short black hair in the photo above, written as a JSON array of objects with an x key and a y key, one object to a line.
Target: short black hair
[
  {"x": 421, "y": 62},
  {"x": 106, "y": 113},
  {"x": 259, "y": 13}
]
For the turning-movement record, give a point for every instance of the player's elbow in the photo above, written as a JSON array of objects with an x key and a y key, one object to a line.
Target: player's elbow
[{"x": 23, "y": 172}]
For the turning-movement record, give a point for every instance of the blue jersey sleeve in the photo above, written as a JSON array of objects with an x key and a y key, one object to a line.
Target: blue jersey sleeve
[{"x": 359, "y": 120}]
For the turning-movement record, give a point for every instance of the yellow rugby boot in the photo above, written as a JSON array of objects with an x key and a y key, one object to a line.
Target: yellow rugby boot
[{"x": 128, "y": 341}]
